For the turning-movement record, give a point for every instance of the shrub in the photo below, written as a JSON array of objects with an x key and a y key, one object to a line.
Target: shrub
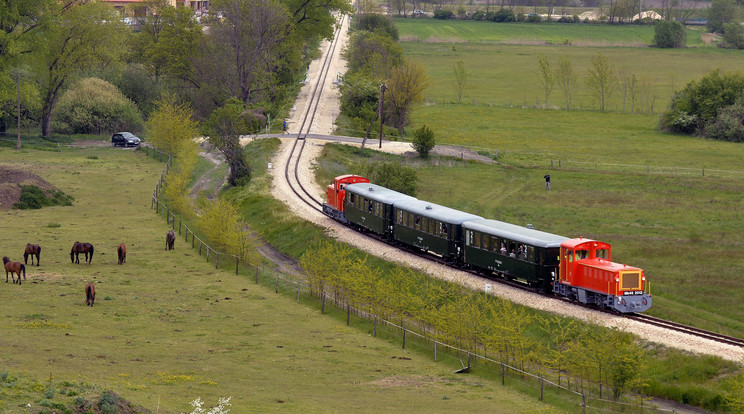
[
  {"x": 93, "y": 105},
  {"x": 669, "y": 34},
  {"x": 534, "y": 18},
  {"x": 733, "y": 36},
  {"x": 108, "y": 403},
  {"x": 729, "y": 123},
  {"x": 391, "y": 175},
  {"x": 32, "y": 197},
  {"x": 378, "y": 23},
  {"x": 444, "y": 14},
  {"x": 478, "y": 15},
  {"x": 503, "y": 16},
  {"x": 423, "y": 141}
]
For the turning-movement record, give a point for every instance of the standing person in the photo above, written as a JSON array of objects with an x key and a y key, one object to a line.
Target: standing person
[
  {"x": 547, "y": 182},
  {"x": 284, "y": 127}
]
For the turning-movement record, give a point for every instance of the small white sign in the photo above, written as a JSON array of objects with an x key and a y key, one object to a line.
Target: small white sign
[
  {"x": 269, "y": 165},
  {"x": 488, "y": 288}
]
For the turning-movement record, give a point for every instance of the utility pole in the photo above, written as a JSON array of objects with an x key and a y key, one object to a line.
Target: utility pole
[
  {"x": 383, "y": 87},
  {"x": 18, "y": 80}
]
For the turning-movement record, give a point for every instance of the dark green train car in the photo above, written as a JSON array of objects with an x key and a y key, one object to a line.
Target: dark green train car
[
  {"x": 515, "y": 252},
  {"x": 370, "y": 206},
  {"x": 431, "y": 227}
]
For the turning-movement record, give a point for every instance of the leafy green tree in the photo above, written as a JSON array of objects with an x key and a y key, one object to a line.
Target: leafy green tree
[
  {"x": 546, "y": 76},
  {"x": 74, "y": 42},
  {"x": 222, "y": 223},
  {"x": 375, "y": 22},
  {"x": 405, "y": 88},
  {"x": 93, "y": 105},
  {"x": 669, "y": 34},
  {"x": 720, "y": 12},
  {"x": 224, "y": 128},
  {"x": 374, "y": 54},
  {"x": 733, "y": 36},
  {"x": 423, "y": 141},
  {"x": 567, "y": 79},
  {"x": 461, "y": 78},
  {"x": 391, "y": 175},
  {"x": 601, "y": 79},
  {"x": 698, "y": 103},
  {"x": 171, "y": 125}
]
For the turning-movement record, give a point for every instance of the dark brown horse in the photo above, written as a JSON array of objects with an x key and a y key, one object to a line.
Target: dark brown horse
[
  {"x": 85, "y": 248},
  {"x": 170, "y": 238},
  {"x": 90, "y": 294},
  {"x": 32, "y": 250},
  {"x": 122, "y": 251},
  {"x": 14, "y": 268}
]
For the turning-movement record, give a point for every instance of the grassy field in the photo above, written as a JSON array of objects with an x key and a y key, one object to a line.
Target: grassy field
[
  {"x": 507, "y": 74},
  {"x": 470, "y": 31},
  {"x": 167, "y": 327}
]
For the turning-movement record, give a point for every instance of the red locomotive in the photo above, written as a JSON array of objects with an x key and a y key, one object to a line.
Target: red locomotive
[
  {"x": 336, "y": 193},
  {"x": 588, "y": 275}
]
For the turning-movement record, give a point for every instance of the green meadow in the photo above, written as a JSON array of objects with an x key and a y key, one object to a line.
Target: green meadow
[
  {"x": 167, "y": 327},
  {"x": 502, "y": 73}
]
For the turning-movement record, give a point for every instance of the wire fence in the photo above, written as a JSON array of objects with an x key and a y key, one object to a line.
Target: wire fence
[
  {"x": 581, "y": 396},
  {"x": 645, "y": 169}
]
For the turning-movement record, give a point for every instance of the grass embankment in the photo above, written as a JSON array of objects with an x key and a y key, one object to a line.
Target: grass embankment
[{"x": 167, "y": 327}]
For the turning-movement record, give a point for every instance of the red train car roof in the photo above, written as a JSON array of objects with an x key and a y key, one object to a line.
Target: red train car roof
[
  {"x": 584, "y": 243},
  {"x": 351, "y": 178}
]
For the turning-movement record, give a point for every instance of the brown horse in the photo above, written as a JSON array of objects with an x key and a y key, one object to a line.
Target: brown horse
[
  {"x": 122, "y": 251},
  {"x": 90, "y": 294},
  {"x": 14, "y": 268},
  {"x": 84, "y": 248},
  {"x": 170, "y": 238},
  {"x": 32, "y": 250}
]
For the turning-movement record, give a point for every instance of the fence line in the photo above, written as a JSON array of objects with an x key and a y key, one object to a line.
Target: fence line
[
  {"x": 170, "y": 217},
  {"x": 648, "y": 169},
  {"x": 430, "y": 339}
]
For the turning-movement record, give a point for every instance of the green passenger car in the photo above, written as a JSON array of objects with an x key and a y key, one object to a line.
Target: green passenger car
[
  {"x": 515, "y": 252},
  {"x": 370, "y": 206},
  {"x": 431, "y": 227}
]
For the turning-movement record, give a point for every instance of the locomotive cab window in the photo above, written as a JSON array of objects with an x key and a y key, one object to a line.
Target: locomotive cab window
[
  {"x": 582, "y": 254},
  {"x": 602, "y": 254}
]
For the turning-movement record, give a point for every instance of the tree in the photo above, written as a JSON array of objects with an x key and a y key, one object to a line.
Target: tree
[
  {"x": 423, "y": 141},
  {"x": 733, "y": 36},
  {"x": 546, "y": 76},
  {"x": 461, "y": 78},
  {"x": 405, "y": 88},
  {"x": 171, "y": 125},
  {"x": 224, "y": 127},
  {"x": 93, "y": 105},
  {"x": 720, "y": 12},
  {"x": 728, "y": 124},
  {"x": 73, "y": 43},
  {"x": 567, "y": 79},
  {"x": 600, "y": 79},
  {"x": 669, "y": 34},
  {"x": 249, "y": 42}
]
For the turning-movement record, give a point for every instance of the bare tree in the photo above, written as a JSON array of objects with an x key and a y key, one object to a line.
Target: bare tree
[{"x": 461, "y": 77}]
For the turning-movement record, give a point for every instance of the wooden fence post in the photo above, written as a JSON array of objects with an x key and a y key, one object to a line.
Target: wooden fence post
[
  {"x": 200, "y": 246},
  {"x": 236, "y": 265},
  {"x": 374, "y": 330},
  {"x": 207, "y": 253},
  {"x": 404, "y": 338},
  {"x": 503, "y": 376},
  {"x": 192, "y": 240},
  {"x": 322, "y": 306},
  {"x": 298, "y": 291},
  {"x": 348, "y": 313},
  {"x": 216, "y": 260},
  {"x": 276, "y": 285},
  {"x": 542, "y": 386},
  {"x": 435, "y": 350},
  {"x": 173, "y": 222}
]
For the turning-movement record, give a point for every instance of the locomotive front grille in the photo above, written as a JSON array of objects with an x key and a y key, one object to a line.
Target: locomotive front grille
[{"x": 630, "y": 281}]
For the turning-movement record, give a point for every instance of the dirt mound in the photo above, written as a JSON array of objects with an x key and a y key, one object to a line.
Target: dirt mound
[{"x": 10, "y": 191}]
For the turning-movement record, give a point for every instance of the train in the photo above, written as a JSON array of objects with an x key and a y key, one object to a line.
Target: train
[{"x": 576, "y": 268}]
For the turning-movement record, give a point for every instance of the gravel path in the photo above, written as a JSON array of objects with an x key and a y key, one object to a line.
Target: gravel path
[{"x": 323, "y": 124}]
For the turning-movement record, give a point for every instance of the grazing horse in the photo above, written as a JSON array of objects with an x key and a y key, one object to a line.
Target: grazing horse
[
  {"x": 122, "y": 251},
  {"x": 170, "y": 238},
  {"x": 32, "y": 250},
  {"x": 14, "y": 268},
  {"x": 90, "y": 294},
  {"x": 78, "y": 248}
]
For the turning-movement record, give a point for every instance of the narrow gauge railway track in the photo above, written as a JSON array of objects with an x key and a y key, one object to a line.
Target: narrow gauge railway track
[
  {"x": 304, "y": 129},
  {"x": 678, "y": 327},
  {"x": 292, "y": 178}
]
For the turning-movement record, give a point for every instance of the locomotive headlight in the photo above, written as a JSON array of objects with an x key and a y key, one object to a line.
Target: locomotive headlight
[
  {"x": 643, "y": 278},
  {"x": 552, "y": 274},
  {"x": 617, "y": 280}
]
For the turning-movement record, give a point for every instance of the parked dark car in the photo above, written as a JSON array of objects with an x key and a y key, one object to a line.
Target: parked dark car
[{"x": 125, "y": 139}]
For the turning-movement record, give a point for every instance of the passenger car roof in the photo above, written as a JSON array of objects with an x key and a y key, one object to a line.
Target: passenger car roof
[
  {"x": 516, "y": 233},
  {"x": 435, "y": 211},
  {"x": 377, "y": 193}
]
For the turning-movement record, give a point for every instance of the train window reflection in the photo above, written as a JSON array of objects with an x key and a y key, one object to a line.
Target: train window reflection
[{"x": 602, "y": 254}]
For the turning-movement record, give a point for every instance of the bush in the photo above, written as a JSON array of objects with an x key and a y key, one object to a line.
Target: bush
[
  {"x": 423, "y": 141},
  {"x": 699, "y": 102},
  {"x": 733, "y": 36},
  {"x": 391, "y": 175},
  {"x": 444, "y": 14},
  {"x": 669, "y": 34},
  {"x": 32, "y": 197},
  {"x": 534, "y": 18},
  {"x": 503, "y": 16},
  {"x": 478, "y": 15},
  {"x": 108, "y": 403},
  {"x": 378, "y": 23},
  {"x": 729, "y": 123},
  {"x": 93, "y": 105}
]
